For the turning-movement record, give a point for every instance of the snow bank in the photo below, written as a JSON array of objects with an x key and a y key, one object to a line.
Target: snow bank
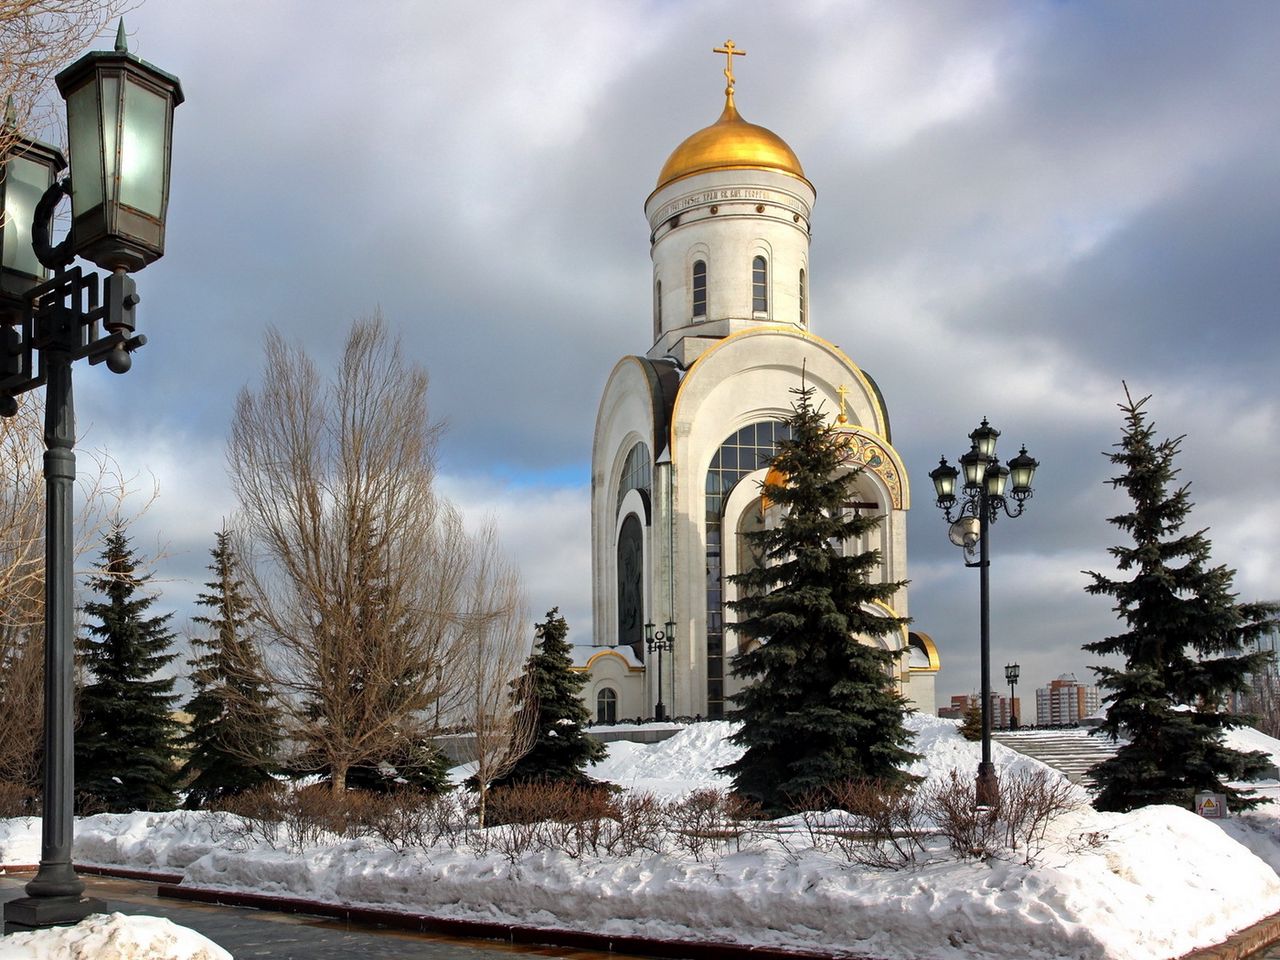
[
  {"x": 112, "y": 937},
  {"x": 1156, "y": 883}
]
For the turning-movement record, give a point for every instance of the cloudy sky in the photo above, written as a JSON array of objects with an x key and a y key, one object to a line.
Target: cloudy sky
[{"x": 1019, "y": 205}]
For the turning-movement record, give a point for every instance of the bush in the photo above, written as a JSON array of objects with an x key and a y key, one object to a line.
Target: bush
[
  {"x": 707, "y": 820},
  {"x": 18, "y": 800},
  {"x": 1027, "y": 802},
  {"x": 887, "y": 822}
]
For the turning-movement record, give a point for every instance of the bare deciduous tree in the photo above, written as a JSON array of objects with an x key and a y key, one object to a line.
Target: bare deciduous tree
[
  {"x": 37, "y": 39},
  {"x": 502, "y": 720},
  {"x": 356, "y": 565}
]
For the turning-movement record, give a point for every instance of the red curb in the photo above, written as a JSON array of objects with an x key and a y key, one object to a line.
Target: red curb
[
  {"x": 128, "y": 873},
  {"x": 101, "y": 870},
  {"x": 1243, "y": 944},
  {"x": 487, "y": 930}
]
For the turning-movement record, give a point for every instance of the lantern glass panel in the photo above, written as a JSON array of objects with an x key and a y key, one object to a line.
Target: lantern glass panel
[
  {"x": 974, "y": 466},
  {"x": 25, "y": 181},
  {"x": 997, "y": 478},
  {"x": 142, "y": 150},
  {"x": 110, "y": 135},
  {"x": 86, "y": 149}
]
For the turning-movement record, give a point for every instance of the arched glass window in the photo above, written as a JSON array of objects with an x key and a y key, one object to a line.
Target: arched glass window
[
  {"x": 631, "y": 585},
  {"x": 746, "y": 451},
  {"x": 637, "y": 474},
  {"x": 759, "y": 285},
  {"x": 699, "y": 288},
  {"x": 606, "y": 706},
  {"x": 804, "y": 317}
]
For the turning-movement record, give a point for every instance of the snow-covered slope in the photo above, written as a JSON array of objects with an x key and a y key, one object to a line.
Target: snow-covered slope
[{"x": 1152, "y": 884}]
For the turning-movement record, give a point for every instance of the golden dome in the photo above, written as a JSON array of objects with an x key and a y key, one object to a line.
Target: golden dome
[{"x": 730, "y": 144}]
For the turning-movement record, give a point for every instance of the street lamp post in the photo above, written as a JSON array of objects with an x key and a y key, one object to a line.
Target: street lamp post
[
  {"x": 1011, "y": 677},
  {"x": 985, "y": 481},
  {"x": 119, "y": 121},
  {"x": 659, "y": 642}
]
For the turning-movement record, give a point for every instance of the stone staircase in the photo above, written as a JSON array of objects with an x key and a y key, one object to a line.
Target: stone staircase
[{"x": 1071, "y": 751}]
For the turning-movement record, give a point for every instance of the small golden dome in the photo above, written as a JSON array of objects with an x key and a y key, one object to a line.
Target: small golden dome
[{"x": 730, "y": 144}]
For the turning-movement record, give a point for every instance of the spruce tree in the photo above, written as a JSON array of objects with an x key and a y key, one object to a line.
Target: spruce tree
[
  {"x": 234, "y": 734},
  {"x": 971, "y": 723},
  {"x": 562, "y": 749},
  {"x": 1187, "y": 643},
  {"x": 127, "y": 740},
  {"x": 821, "y": 706}
]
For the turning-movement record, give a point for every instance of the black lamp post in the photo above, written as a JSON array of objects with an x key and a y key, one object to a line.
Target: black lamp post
[
  {"x": 120, "y": 120},
  {"x": 660, "y": 642},
  {"x": 985, "y": 481},
  {"x": 1011, "y": 677}
]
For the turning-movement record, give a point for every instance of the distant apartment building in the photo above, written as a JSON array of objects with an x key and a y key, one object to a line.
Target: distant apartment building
[
  {"x": 1065, "y": 701},
  {"x": 1003, "y": 710}
]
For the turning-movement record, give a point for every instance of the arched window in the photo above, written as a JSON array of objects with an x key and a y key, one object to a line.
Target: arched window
[
  {"x": 699, "y": 288},
  {"x": 637, "y": 473},
  {"x": 606, "y": 706},
  {"x": 804, "y": 317},
  {"x": 747, "y": 450},
  {"x": 759, "y": 285},
  {"x": 631, "y": 585}
]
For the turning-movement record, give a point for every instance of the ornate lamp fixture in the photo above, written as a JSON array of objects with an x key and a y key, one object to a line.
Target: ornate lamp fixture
[
  {"x": 120, "y": 118},
  {"x": 661, "y": 642},
  {"x": 985, "y": 495},
  {"x": 1011, "y": 677}
]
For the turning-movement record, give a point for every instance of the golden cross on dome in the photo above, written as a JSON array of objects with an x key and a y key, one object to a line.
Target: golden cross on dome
[
  {"x": 729, "y": 51},
  {"x": 843, "y": 391}
]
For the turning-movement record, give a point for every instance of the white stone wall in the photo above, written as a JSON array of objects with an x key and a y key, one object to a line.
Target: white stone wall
[{"x": 726, "y": 218}]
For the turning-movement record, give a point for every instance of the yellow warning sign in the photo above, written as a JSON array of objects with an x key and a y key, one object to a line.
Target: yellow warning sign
[{"x": 1211, "y": 805}]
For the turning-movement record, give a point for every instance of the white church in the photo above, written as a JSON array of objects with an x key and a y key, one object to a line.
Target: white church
[{"x": 686, "y": 431}]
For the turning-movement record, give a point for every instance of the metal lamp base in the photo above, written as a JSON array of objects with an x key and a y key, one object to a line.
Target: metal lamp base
[
  {"x": 34, "y": 913},
  {"x": 987, "y": 786}
]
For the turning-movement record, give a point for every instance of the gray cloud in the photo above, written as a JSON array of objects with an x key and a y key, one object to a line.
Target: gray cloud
[{"x": 1018, "y": 206}]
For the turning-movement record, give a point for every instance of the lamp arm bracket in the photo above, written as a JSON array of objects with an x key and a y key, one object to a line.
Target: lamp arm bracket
[{"x": 42, "y": 227}]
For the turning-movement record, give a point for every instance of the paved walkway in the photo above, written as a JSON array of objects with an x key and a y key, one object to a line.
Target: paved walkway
[{"x": 259, "y": 933}]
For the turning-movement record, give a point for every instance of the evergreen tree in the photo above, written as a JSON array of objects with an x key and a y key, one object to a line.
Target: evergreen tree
[
  {"x": 821, "y": 706},
  {"x": 127, "y": 740},
  {"x": 562, "y": 749},
  {"x": 234, "y": 731},
  {"x": 1186, "y": 646},
  {"x": 971, "y": 723},
  {"x": 412, "y": 762}
]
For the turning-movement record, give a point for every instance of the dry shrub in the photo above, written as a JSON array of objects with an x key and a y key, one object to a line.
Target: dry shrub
[
  {"x": 1030, "y": 800},
  {"x": 576, "y": 819},
  {"x": 406, "y": 819},
  {"x": 952, "y": 804},
  {"x": 255, "y": 815},
  {"x": 708, "y": 821},
  {"x": 1027, "y": 802},
  {"x": 288, "y": 819},
  {"x": 403, "y": 819},
  {"x": 641, "y": 826},
  {"x": 18, "y": 800},
  {"x": 885, "y": 823}
]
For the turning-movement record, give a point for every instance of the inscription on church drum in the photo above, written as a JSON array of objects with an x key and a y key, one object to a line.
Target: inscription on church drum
[{"x": 729, "y": 194}]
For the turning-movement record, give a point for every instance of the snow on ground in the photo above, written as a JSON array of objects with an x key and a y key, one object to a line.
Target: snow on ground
[
  {"x": 112, "y": 937},
  {"x": 1152, "y": 884}
]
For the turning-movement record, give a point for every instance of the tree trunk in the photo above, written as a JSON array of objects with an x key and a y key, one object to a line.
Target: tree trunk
[{"x": 339, "y": 784}]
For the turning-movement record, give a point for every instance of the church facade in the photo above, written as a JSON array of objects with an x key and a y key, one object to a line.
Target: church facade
[{"x": 685, "y": 432}]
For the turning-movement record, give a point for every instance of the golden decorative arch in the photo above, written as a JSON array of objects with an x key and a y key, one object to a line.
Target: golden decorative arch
[
  {"x": 607, "y": 652},
  {"x": 930, "y": 649},
  {"x": 871, "y": 453}
]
